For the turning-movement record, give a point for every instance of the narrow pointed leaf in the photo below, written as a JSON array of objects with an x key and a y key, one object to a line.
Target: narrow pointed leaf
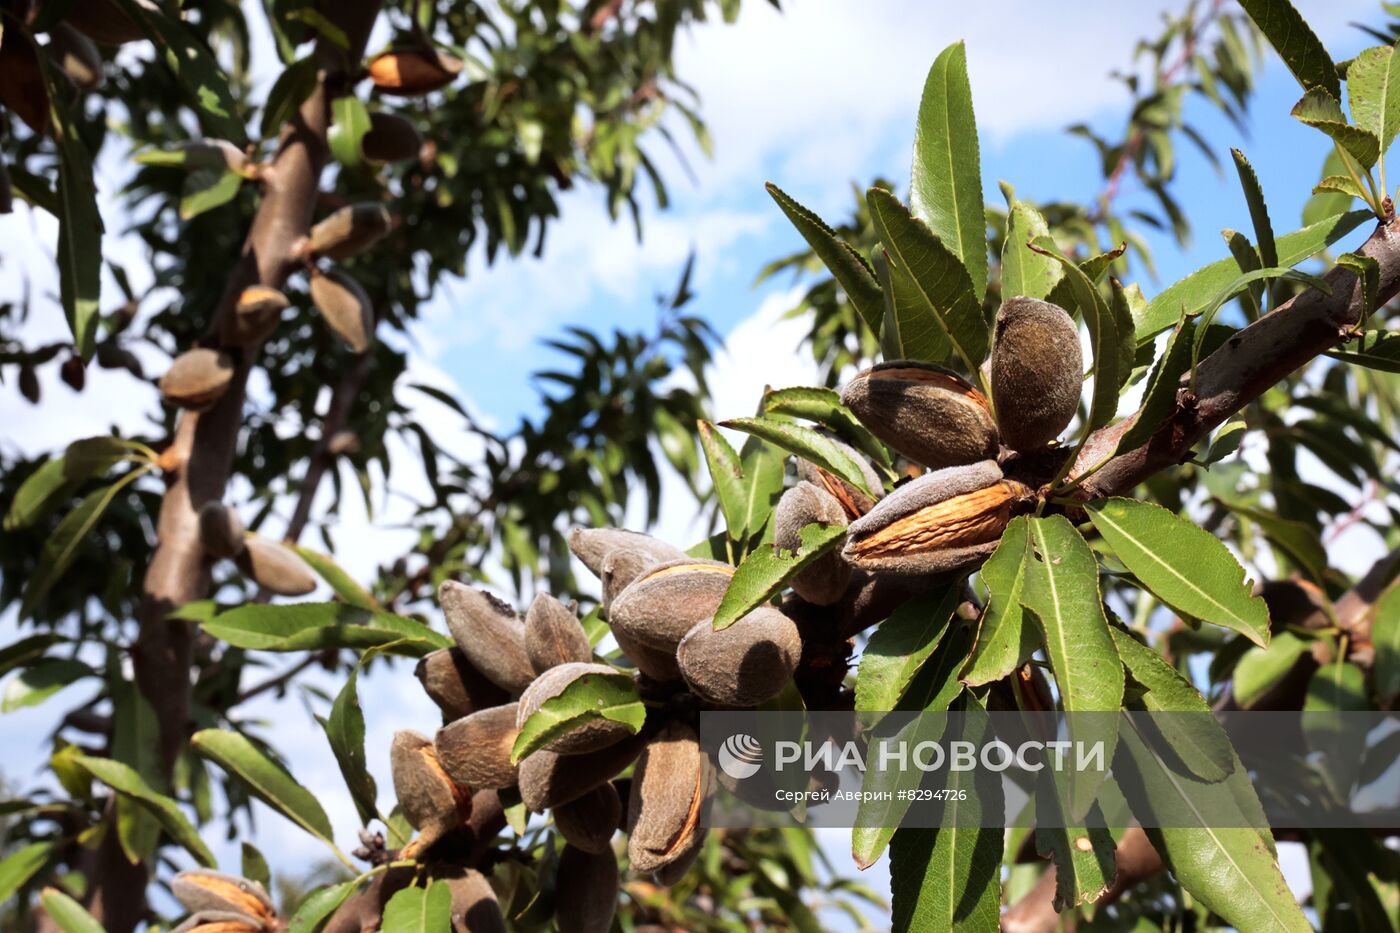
[
  {"x": 946, "y": 187},
  {"x": 1385, "y": 634},
  {"x": 419, "y": 910},
  {"x": 67, "y": 914},
  {"x": 1023, "y": 270},
  {"x": 1004, "y": 640},
  {"x": 1191, "y": 294},
  {"x": 1182, "y": 564},
  {"x": 848, "y": 267},
  {"x": 900, "y": 646},
  {"x": 1159, "y": 398},
  {"x": 727, "y": 475},
  {"x": 265, "y": 779},
  {"x": 1258, "y": 210},
  {"x": 1375, "y": 350},
  {"x": 1295, "y": 42},
  {"x": 1320, "y": 110},
  {"x": 589, "y": 698},
  {"x": 808, "y": 444},
  {"x": 1061, "y": 590},
  {"x": 765, "y": 571},
  {"x": 22, "y": 864},
  {"x": 1373, "y": 92},
  {"x": 934, "y": 298},
  {"x": 345, "y": 730}
]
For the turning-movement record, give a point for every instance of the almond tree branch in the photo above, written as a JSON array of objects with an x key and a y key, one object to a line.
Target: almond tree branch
[
  {"x": 1249, "y": 364},
  {"x": 201, "y": 454}
]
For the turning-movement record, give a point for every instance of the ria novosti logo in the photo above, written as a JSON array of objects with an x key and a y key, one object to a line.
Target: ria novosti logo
[{"x": 740, "y": 756}]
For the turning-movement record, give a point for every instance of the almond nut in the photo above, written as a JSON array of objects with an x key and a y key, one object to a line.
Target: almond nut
[
  {"x": 254, "y": 317},
  {"x": 349, "y": 231},
  {"x": 929, "y": 414},
  {"x": 475, "y": 750},
  {"x": 458, "y": 688},
  {"x": 617, "y": 557},
  {"x": 585, "y": 892},
  {"x": 663, "y": 603},
  {"x": 588, "y": 734},
  {"x": 475, "y": 908},
  {"x": 674, "y": 870},
  {"x": 549, "y": 780},
  {"x": 944, "y": 521},
  {"x": 275, "y": 567},
  {"x": 554, "y": 635},
  {"x": 1037, "y": 372},
  {"x": 657, "y": 664},
  {"x": 220, "y": 531},
  {"x": 490, "y": 634},
  {"x": 409, "y": 72},
  {"x": 825, "y": 581},
  {"x": 390, "y": 138},
  {"x": 220, "y": 921},
  {"x": 345, "y": 308},
  {"x": 197, "y": 378},
  {"x": 590, "y": 821},
  {"x": 669, "y": 792},
  {"x": 431, "y": 801},
  {"x": 204, "y": 891},
  {"x": 745, "y": 664}
]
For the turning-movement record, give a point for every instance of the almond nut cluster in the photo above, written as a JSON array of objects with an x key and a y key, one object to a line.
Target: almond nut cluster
[
  {"x": 660, "y": 604},
  {"x": 950, "y": 519}
]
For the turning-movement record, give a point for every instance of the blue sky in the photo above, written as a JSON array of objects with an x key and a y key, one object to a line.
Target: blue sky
[{"x": 815, "y": 98}]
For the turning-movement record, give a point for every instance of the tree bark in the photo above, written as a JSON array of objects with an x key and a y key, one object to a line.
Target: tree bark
[{"x": 201, "y": 454}]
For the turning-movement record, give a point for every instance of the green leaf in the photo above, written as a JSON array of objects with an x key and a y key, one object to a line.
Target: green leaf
[
  {"x": 1159, "y": 398},
  {"x": 419, "y": 910},
  {"x": 899, "y": 647},
  {"x": 945, "y": 190},
  {"x": 764, "y": 467},
  {"x": 948, "y": 879},
  {"x": 1061, "y": 590},
  {"x": 312, "y": 626},
  {"x": 196, "y": 72},
  {"x": 26, "y": 651},
  {"x": 822, "y": 405},
  {"x": 1230, "y": 870},
  {"x": 1320, "y": 110},
  {"x": 253, "y": 866},
  {"x": 126, "y": 781},
  {"x": 62, "y": 546},
  {"x": 1261, "y": 668},
  {"x": 345, "y": 729},
  {"x": 208, "y": 188},
  {"x": 1105, "y": 338},
  {"x": 1004, "y": 641},
  {"x": 1082, "y": 854},
  {"x": 935, "y": 302},
  {"x": 1182, "y": 564},
  {"x": 933, "y": 689},
  {"x": 1239, "y": 285},
  {"x": 1373, "y": 93},
  {"x": 1193, "y": 733},
  {"x": 40, "y": 681},
  {"x": 847, "y": 266},
  {"x": 67, "y": 914},
  {"x": 136, "y": 744},
  {"x": 808, "y": 444},
  {"x": 319, "y": 905},
  {"x": 1295, "y": 43},
  {"x": 1258, "y": 210},
  {"x": 266, "y": 779},
  {"x": 1341, "y": 184},
  {"x": 1375, "y": 350},
  {"x": 1385, "y": 634},
  {"x": 79, "y": 220},
  {"x": 1338, "y": 687},
  {"x": 1023, "y": 270},
  {"x": 349, "y": 124},
  {"x": 58, "y": 476},
  {"x": 1296, "y": 539},
  {"x": 21, "y": 865},
  {"x": 341, "y": 582},
  {"x": 766, "y": 570},
  {"x": 727, "y": 475},
  {"x": 1191, "y": 294},
  {"x": 291, "y": 89},
  {"x": 589, "y": 698}
]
